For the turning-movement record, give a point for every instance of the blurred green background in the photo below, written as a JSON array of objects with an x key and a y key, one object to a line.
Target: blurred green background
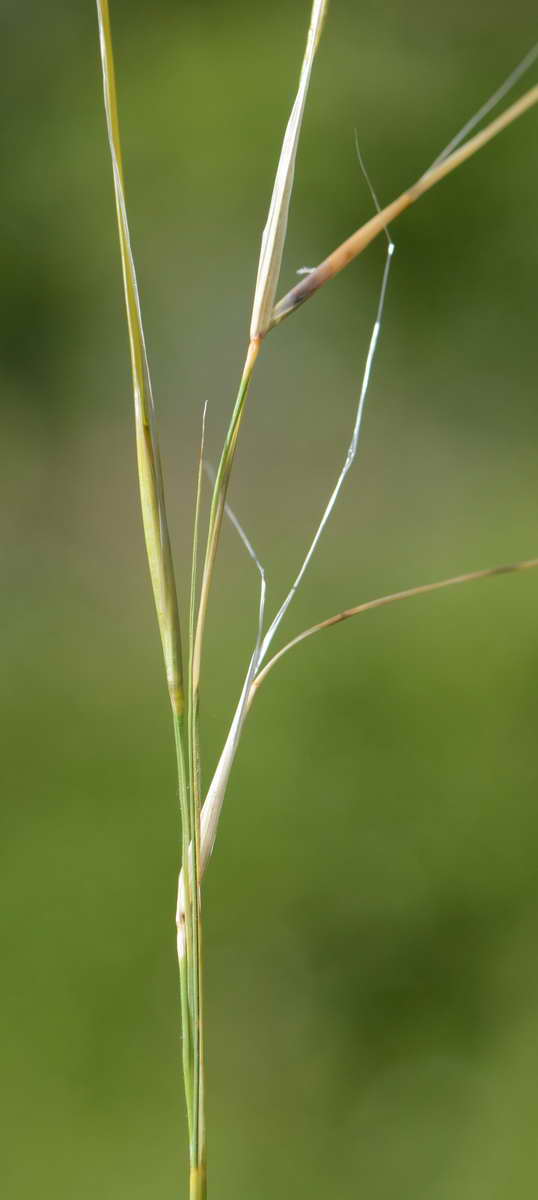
[{"x": 372, "y": 904}]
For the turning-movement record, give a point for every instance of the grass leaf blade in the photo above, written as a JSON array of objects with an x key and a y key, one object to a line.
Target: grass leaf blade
[{"x": 274, "y": 234}]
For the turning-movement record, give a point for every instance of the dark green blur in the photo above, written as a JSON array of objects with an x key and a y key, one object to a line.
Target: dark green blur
[{"x": 372, "y": 904}]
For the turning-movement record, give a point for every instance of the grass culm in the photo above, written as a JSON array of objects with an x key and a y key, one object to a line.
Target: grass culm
[{"x": 183, "y": 647}]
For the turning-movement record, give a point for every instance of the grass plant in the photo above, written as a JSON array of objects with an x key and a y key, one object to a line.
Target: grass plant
[{"x": 199, "y": 819}]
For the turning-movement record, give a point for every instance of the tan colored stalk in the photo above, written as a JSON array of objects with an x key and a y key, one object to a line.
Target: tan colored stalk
[{"x": 354, "y": 245}]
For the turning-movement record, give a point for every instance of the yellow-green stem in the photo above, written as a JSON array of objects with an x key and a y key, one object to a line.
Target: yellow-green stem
[
  {"x": 190, "y": 963},
  {"x": 198, "y": 1141},
  {"x": 198, "y": 1184},
  {"x": 161, "y": 567},
  {"x": 185, "y": 979},
  {"x": 218, "y": 502}
]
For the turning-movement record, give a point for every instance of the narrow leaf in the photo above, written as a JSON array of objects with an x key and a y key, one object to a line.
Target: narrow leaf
[{"x": 274, "y": 234}]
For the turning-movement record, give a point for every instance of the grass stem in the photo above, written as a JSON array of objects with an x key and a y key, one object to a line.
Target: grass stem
[
  {"x": 218, "y": 503},
  {"x": 161, "y": 568},
  {"x": 197, "y": 1184}
]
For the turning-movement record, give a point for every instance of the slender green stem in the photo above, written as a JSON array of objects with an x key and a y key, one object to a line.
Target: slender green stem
[
  {"x": 198, "y": 1184},
  {"x": 186, "y": 996},
  {"x": 186, "y": 1050},
  {"x": 218, "y": 502},
  {"x": 164, "y": 589},
  {"x": 194, "y": 859}
]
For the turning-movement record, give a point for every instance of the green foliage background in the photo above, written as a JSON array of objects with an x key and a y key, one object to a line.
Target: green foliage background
[{"x": 372, "y": 905}]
